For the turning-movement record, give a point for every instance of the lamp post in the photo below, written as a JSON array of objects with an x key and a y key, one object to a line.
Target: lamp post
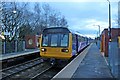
[
  {"x": 98, "y": 28},
  {"x": 109, "y": 29},
  {"x": 14, "y": 12},
  {"x": 98, "y": 36},
  {"x": 110, "y": 55}
]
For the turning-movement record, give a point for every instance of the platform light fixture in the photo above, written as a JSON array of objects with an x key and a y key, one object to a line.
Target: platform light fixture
[{"x": 99, "y": 28}]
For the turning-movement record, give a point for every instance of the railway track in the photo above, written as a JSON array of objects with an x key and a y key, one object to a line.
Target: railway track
[
  {"x": 31, "y": 70},
  {"x": 18, "y": 70},
  {"x": 47, "y": 74},
  {"x": 9, "y": 60}
]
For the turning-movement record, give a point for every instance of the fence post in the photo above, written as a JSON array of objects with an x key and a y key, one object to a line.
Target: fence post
[
  {"x": 4, "y": 46},
  {"x": 16, "y": 46},
  {"x": 23, "y": 45},
  {"x": 0, "y": 46}
]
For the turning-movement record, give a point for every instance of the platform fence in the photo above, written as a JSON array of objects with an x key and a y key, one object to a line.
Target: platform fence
[
  {"x": 114, "y": 57},
  {"x": 14, "y": 46}
]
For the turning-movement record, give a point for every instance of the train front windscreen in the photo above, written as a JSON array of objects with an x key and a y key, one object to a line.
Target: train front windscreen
[{"x": 55, "y": 40}]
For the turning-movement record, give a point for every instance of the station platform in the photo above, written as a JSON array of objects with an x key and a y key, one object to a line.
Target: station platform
[
  {"x": 17, "y": 54},
  {"x": 88, "y": 64}
]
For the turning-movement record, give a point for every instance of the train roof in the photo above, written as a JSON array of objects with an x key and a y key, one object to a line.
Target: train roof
[
  {"x": 75, "y": 32},
  {"x": 61, "y": 29},
  {"x": 56, "y": 29}
]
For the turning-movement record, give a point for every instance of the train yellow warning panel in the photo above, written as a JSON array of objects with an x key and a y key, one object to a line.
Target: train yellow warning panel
[{"x": 119, "y": 41}]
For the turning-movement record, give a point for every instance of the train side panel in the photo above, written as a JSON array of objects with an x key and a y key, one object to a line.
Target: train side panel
[
  {"x": 74, "y": 52},
  {"x": 82, "y": 45},
  {"x": 74, "y": 45}
]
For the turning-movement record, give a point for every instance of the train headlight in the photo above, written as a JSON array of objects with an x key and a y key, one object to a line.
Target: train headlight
[
  {"x": 43, "y": 50},
  {"x": 65, "y": 50}
]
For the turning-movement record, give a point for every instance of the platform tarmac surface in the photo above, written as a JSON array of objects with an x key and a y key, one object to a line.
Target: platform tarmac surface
[
  {"x": 16, "y": 54},
  {"x": 93, "y": 65}
]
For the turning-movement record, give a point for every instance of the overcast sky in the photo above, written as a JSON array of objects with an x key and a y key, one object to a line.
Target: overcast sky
[{"x": 83, "y": 14}]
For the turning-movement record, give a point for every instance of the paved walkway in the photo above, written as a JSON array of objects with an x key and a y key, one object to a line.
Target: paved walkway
[
  {"x": 15, "y": 54},
  {"x": 93, "y": 65}
]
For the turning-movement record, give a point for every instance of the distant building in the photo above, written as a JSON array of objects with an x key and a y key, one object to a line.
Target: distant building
[
  {"x": 32, "y": 41},
  {"x": 104, "y": 42},
  {"x": 115, "y": 32}
]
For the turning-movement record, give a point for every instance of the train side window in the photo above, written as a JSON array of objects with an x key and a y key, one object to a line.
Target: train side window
[
  {"x": 64, "y": 40},
  {"x": 73, "y": 38},
  {"x": 73, "y": 42},
  {"x": 45, "y": 40},
  {"x": 54, "y": 38}
]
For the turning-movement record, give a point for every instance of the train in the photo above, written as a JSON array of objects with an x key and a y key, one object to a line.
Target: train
[{"x": 61, "y": 43}]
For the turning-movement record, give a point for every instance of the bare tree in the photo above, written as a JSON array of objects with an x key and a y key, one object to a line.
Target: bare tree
[
  {"x": 25, "y": 29},
  {"x": 27, "y": 21},
  {"x": 53, "y": 17},
  {"x": 11, "y": 19},
  {"x": 14, "y": 17},
  {"x": 63, "y": 22},
  {"x": 46, "y": 13},
  {"x": 19, "y": 19},
  {"x": 37, "y": 19}
]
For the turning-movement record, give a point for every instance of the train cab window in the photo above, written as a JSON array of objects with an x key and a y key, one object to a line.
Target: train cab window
[
  {"x": 64, "y": 40},
  {"x": 45, "y": 40},
  {"x": 54, "y": 40}
]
